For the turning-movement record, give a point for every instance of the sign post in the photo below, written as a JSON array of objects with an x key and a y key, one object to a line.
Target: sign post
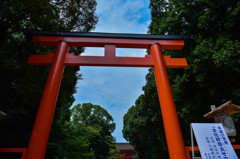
[{"x": 212, "y": 141}]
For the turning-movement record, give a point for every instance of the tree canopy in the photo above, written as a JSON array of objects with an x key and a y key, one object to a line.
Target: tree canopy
[
  {"x": 96, "y": 125},
  {"x": 211, "y": 77},
  {"x": 21, "y": 84},
  {"x": 87, "y": 135}
]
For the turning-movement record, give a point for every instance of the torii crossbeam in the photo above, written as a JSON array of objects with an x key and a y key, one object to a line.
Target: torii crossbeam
[{"x": 61, "y": 58}]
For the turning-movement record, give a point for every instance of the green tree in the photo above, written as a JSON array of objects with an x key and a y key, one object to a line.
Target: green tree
[
  {"x": 213, "y": 57},
  {"x": 143, "y": 123},
  {"x": 115, "y": 153},
  {"x": 96, "y": 125},
  {"x": 78, "y": 148},
  {"x": 21, "y": 84},
  {"x": 72, "y": 145}
]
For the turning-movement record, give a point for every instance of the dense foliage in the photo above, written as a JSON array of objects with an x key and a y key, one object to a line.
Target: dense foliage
[
  {"x": 87, "y": 135},
  {"x": 143, "y": 123},
  {"x": 212, "y": 76},
  {"x": 96, "y": 125},
  {"x": 21, "y": 84}
]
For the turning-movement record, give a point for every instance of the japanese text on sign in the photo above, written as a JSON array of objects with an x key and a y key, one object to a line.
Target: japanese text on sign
[{"x": 213, "y": 141}]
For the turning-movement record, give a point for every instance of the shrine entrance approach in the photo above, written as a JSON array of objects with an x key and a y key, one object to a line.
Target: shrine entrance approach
[{"x": 109, "y": 41}]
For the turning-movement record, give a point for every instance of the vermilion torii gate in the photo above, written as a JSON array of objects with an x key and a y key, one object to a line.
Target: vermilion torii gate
[{"x": 61, "y": 58}]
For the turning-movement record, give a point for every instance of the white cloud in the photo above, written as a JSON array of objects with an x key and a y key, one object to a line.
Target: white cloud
[
  {"x": 122, "y": 16},
  {"x": 111, "y": 86},
  {"x": 115, "y": 88}
]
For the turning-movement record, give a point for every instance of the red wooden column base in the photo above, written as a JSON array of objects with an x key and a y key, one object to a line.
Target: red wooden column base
[
  {"x": 172, "y": 128},
  {"x": 15, "y": 150}
]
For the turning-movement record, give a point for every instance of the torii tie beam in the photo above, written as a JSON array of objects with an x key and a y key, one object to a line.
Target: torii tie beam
[{"x": 61, "y": 58}]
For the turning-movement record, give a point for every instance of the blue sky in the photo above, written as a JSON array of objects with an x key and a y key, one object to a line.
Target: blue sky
[{"x": 115, "y": 88}]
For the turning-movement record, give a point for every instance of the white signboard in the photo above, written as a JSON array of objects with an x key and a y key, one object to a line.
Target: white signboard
[{"x": 213, "y": 141}]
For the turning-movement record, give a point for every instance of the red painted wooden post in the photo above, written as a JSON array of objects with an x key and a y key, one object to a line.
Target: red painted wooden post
[
  {"x": 40, "y": 133},
  {"x": 172, "y": 128}
]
